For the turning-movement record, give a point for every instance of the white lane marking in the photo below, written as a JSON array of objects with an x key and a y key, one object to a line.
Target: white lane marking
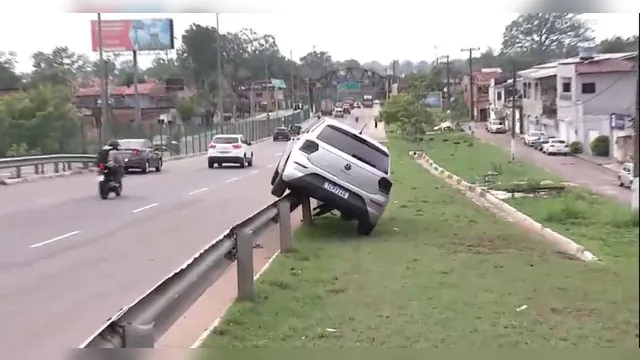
[
  {"x": 55, "y": 239},
  {"x": 278, "y": 154},
  {"x": 255, "y": 171},
  {"x": 145, "y": 208},
  {"x": 232, "y": 180},
  {"x": 272, "y": 165},
  {"x": 198, "y": 191}
]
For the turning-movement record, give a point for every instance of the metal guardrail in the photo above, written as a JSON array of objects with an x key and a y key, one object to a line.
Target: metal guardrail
[
  {"x": 194, "y": 144},
  {"x": 61, "y": 162},
  {"x": 142, "y": 323}
]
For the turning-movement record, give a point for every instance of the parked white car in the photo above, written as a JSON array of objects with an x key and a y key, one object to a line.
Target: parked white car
[
  {"x": 556, "y": 146},
  {"x": 625, "y": 175},
  {"x": 496, "y": 127},
  {"x": 230, "y": 149},
  {"x": 532, "y": 137}
]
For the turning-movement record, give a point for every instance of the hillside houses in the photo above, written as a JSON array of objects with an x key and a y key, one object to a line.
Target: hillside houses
[{"x": 575, "y": 99}]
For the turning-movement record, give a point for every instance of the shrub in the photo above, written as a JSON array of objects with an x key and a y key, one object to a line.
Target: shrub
[
  {"x": 600, "y": 146},
  {"x": 576, "y": 147}
]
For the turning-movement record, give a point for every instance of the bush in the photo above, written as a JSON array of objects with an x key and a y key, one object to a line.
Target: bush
[
  {"x": 576, "y": 147},
  {"x": 600, "y": 146}
]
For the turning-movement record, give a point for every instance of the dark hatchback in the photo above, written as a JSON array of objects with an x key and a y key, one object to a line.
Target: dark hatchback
[
  {"x": 281, "y": 134},
  {"x": 140, "y": 154}
]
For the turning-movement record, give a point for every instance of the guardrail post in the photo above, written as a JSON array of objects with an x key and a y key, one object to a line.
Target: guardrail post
[
  {"x": 69, "y": 167},
  {"x": 56, "y": 168},
  {"x": 36, "y": 169},
  {"x": 284, "y": 221},
  {"x": 138, "y": 336},
  {"x": 244, "y": 247},
  {"x": 18, "y": 172},
  {"x": 306, "y": 211},
  {"x": 85, "y": 165},
  {"x": 64, "y": 167}
]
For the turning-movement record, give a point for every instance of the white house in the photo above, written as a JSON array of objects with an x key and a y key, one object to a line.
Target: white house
[{"x": 574, "y": 98}]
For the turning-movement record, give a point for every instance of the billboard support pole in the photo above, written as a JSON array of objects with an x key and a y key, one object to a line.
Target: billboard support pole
[
  {"x": 104, "y": 96},
  {"x": 138, "y": 113},
  {"x": 219, "y": 53}
]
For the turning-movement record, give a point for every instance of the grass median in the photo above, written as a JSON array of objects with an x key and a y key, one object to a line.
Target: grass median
[{"x": 437, "y": 272}]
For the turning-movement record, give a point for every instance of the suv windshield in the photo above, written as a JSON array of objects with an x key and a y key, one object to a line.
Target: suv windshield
[
  {"x": 226, "y": 140},
  {"x": 356, "y": 147}
]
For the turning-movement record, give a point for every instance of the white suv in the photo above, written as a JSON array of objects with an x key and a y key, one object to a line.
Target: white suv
[
  {"x": 230, "y": 149},
  {"x": 345, "y": 170}
]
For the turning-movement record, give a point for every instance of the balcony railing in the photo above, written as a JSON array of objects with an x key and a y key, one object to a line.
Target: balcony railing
[{"x": 565, "y": 96}]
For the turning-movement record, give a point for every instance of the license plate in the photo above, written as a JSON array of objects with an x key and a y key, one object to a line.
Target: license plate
[
  {"x": 336, "y": 190},
  {"x": 100, "y": 178},
  {"x": 224, "y": 152}
]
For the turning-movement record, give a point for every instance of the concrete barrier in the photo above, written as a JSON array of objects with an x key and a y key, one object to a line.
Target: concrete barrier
[{"x": 487, "y": 201}]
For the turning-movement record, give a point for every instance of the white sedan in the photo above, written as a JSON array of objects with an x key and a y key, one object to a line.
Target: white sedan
[
  {"x": 556, "y": 146},
  {"x": 230, "y": 149}
]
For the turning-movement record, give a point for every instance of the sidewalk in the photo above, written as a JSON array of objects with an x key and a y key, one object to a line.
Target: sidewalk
[
  {"x": 377, "y": 134},
  {"x": 605, "y": 162}
]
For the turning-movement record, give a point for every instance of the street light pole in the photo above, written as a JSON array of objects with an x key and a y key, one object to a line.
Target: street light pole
[
  {"x": 104, "y": 87},
  {"x": 635, "y": 186},
  {"x": 268, "y": 82},
  {"x": 219, "y": 45}
]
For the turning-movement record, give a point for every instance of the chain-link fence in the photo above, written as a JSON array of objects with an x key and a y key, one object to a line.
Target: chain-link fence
[{"x": 175, "y": 139}]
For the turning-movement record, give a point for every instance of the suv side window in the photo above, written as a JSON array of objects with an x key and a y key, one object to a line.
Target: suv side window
[{"x": 356, "y": 147}]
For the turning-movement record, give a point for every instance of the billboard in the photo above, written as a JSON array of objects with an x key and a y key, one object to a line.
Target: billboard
[{"x": 133, "y": 35}]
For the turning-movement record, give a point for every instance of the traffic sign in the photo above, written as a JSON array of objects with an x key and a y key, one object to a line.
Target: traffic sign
[{"x": 349, "y": 86}]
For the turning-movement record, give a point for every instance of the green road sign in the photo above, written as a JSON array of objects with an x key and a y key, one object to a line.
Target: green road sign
[{"x": 349, "y": 86}]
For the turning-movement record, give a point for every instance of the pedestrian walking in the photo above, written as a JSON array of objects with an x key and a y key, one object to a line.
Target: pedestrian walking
[{"x": 375, "y": 122}]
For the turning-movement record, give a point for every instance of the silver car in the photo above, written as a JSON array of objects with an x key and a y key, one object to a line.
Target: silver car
[
  {"x": 625, "y": 175},
  {"x": 343, "y": 169}
]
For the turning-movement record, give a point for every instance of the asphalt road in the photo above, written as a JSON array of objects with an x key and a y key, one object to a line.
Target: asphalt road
[
  {"x": 68, "y": 260},
  {"x": 188, "y": 145},
  {"x": 593, "y": 177}
]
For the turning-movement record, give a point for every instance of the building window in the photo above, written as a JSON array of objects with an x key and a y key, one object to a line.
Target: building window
[
  {"x": 589, "y": 88},
  {"x": 566, "y": 87},
  {"x": 499, "y": 96}
]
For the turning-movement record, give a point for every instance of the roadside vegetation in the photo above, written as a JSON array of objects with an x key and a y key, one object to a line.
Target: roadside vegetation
[{"x": 438, "y": 271}]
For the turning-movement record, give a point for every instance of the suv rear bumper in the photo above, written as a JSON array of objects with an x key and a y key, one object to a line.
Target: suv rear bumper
[
  {"x": 226, "y": 159},
  {"x": 312, "y": 185}
]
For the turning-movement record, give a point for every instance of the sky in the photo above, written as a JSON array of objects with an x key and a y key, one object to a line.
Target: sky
[{"x": 362, "y": 35}]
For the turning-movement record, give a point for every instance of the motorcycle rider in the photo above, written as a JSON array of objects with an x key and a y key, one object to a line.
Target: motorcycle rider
[{"x": 108, "y": 155}]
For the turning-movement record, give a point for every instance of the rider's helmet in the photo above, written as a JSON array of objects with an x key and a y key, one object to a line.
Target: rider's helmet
[{"x": 115, "y": 144}]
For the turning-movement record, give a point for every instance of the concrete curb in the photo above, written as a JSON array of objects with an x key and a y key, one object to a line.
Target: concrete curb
[
  {"x": 586, "y": 159},
  {"x": 489, "y": 202}
]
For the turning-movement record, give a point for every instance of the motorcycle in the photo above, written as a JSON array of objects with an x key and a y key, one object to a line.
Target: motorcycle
[
  {"x": 357, "y": 119},
  {"x": 106, "y": 183},
  {"x": 318, "y": 116}
]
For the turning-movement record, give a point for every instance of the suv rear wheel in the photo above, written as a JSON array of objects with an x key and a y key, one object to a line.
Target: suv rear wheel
[{"x": 365, "y": 228}]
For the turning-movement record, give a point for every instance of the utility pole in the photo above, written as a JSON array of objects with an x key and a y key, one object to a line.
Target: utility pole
[
  {"x": 292, "y": 84},
  {"x": 448, "y": 87},
  {"x": 471, "y": 102},
  {"x": 268, "y": 83},
  {"x": 136, "y": 91},
  {"x": 513, "y": 114},
  {"x": 104, "y": 88},
  {"x": 219, "y": 44},
  {"x": 636, "y": 147}
]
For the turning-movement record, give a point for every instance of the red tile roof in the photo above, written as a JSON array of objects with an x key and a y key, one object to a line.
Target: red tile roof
[
  {"x": 481, "y": 76},
  {"x": 604, "y": 66}
]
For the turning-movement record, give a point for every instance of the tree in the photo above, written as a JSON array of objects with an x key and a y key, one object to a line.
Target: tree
[
  {"x": 9, "y": 79},
  {"x": 163, "y": 68},
  {"x": 315, "y": 64},
  {"x": 58, "y": 68},
  {"x": 618, "y": 44},
  {"x": 545, "y": 35}
]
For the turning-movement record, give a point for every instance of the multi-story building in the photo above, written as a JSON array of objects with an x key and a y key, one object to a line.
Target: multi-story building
[{"x": 481, "y": 83}]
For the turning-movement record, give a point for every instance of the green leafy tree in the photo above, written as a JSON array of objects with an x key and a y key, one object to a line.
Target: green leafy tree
[
  {"x": 9, "y": 79},
  {"x": 618, "y": 44},
  {"x": 543, "y": 36}
]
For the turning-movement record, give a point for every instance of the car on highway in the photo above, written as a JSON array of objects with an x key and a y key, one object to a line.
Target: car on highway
[
  {"x": 556, "y": 147},
  {"x": 496, "y": 127},
  {"x": 230, "y": 149},
  {"x": 346, "y": 108},
  {"x": 297, "y": 106},
  {"x": 338, "y": 112},
  {"x": 532, "y": 136},
  {"x": 295, "y": 129},
  {"x": 140, "y": 154},
  {"x": 625, "y": 175},
  {"x": 357, "y": 105},
  {"x": 341, "y": 168},
  {"x": 376, "y": 102},
  {"x": 281, "y": 134}
]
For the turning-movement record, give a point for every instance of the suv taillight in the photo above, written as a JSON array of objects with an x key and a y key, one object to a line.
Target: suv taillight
[
  {"x": 237, "y": 146},
  {"x": 309, "y": 147},
  {"x": 384, "y": 185}
]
